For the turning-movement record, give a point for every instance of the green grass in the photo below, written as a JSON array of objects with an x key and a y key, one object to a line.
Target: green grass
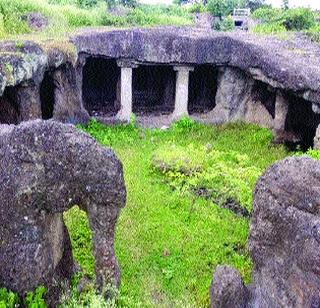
[
  {"x": 65, "y": 17},
  {"x": 168, "y": 241}
]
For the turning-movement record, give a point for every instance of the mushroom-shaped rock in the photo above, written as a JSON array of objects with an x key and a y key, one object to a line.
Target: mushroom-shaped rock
[
  {"x": 45, "y": 168},
  {"x": 284, "y": 240}
]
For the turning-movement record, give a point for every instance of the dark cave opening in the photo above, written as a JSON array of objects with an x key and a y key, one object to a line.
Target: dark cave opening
[
  {"x": 263, "y": 93},
  {"x": 9, "y": 111},
  {"x": 153, "y": 89},
  {"x": 202, "y": 89},
  {"x": 101, "y": 86},
  {"x": 301, "y": 123},
  {"x": 47, "y": 96}
]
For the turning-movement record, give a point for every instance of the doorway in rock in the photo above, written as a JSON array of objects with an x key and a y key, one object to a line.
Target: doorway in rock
[
  {"x": 153, "y": 90},
  {"x": 9, "y": 110},
  {"x": 101, "y": 86},
  {"x": 47, "y": 96},
  {"x": 301, "y": 122},
  {"x": 202, "y": 89},
  {"x": 262, "y": 92}
]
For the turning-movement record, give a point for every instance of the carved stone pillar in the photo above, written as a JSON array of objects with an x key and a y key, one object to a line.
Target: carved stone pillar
[
  {"x": 182, "y": 91},
  {"x": 126, "y": 89}
]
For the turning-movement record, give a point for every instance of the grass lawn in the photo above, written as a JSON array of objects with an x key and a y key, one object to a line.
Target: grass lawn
[{"x": 169, "y": 240}]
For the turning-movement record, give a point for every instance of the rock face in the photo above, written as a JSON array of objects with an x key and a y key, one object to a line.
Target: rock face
[
  {"x": 68, "y": 106},
  {"x": 285, "y": 64},
  {"x": 233, "y": 95},
  {"x": 36, "y": 21},
  {"x": 283, "y": 243},
  {"x": 46, "y": 168}
]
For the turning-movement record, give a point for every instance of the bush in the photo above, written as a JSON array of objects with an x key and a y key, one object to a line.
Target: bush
[
  {"x": 197, "y": 8},
  {"x": 267, "y": 14},
  {"x": 226, "y": 24},
  {"x": 314, "y": 33},
  {"x": 298, "y": 19},
  {"x": 276, "y": 19}
]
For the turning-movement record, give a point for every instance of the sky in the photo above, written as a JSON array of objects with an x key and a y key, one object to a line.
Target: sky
[{"x": 312, "y": 3}]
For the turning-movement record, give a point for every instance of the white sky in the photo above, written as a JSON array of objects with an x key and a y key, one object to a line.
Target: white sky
[{"x": 312, "y": 3}]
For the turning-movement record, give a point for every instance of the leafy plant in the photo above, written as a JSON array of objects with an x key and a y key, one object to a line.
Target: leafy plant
[
  {"x": 36, "y": 299},
  {"x": 298, "y": 19},
  {"x": 8, "y": 299},
  {"x": 226, "y": 24},
  {"x": 197, "y": 8}
]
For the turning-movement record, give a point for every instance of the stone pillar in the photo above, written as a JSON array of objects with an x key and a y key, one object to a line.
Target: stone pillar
[
  {"x": 182, "y": 91},
  {"x": 279, "y": 123},
  {"x": 126, "y": 89},
  {"x": 234, "y": 95},
  {"x": 281, "y": 111},
  {"x": 28, "y": 98},
  {"x": 68, "y": 107}
]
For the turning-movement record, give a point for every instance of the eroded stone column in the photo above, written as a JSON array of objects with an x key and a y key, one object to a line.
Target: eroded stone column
[
  {"x": 28, "y": 97},
  {"x": 126, "y": 89},
  {"x": 182, "y": 91},
  {"x": 281, "y": 111}
]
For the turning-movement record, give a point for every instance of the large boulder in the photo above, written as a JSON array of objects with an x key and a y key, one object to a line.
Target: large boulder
[
  {"x": 45, "y": 168},
  {"x": 284, "y": 241}
]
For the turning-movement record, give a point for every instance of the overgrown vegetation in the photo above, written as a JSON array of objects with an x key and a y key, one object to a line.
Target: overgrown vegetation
[
  {"x": 275, "y": 20},
  {"x": 174, "y": 230},
  {"x": 34, "y": 299},
  {"x": 65, "y": 16}
]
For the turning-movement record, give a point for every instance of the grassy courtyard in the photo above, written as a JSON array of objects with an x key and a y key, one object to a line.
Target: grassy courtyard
[{"x": 175, "y": 228}]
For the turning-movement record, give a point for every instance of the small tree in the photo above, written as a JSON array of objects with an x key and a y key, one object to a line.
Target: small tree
[{"x": 217, "y": 8}]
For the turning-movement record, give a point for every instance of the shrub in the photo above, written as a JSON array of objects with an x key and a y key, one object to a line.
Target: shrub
[
  {"x": 314, "y": 33},
  {"x": 197, "y": 8},
  {"x": 298, "y": 19},
  {"x": 266, "y": 14},
  {"x": 226, "y": 24},
  {"x": 217, "y": 8}
]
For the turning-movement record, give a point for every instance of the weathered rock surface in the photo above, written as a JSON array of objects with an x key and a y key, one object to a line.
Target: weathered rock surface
[
  {"x": 36, "y": 21},
  {"x": 292, "y": 64},
  {"x": 233, "y": 95},
  {"x": 45, "y": 168},
  {"x": 227, "y": 288},
  {"x": 283, "y": 242},
  {"x": 68, "y": 106}
]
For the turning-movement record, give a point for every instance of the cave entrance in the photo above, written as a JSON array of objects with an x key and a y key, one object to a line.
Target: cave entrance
[
  {"x": 202, "y": 89},
  {"x": 9, "y": 107},
  {"x": 101, "y": 86},
  {"x": 47, "y": 96},
  {"x": 302, "y": 122},
  {"x": 153, "y": 90}
]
